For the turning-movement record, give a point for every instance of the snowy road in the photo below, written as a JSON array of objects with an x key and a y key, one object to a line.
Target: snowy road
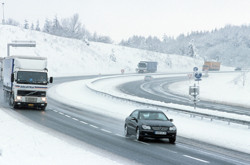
[
  {"x": 158, "y": 90},
  {"x": 98, "y": 121}
]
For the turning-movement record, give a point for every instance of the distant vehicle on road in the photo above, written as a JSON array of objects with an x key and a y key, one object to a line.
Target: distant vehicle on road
[
  {"x": 211, "y": 66},
  {"x": 147, "y": 67},
  {"x": 148, "y": 78},
  {"x": 237, "y": 69},
  {"x": 150, "y": 124}
]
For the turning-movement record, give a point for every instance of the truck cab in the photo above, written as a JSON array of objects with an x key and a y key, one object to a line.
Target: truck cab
[
  {"x": 25, "y": 82},
  {"x": 147, "y": 67}
]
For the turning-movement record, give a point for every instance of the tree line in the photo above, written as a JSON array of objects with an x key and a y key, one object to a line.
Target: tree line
[
  {"x": 67, "y": 27},
  {"x": 229, "y": 45}
]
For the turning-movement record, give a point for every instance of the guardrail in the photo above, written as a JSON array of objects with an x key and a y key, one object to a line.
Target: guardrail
[{"x": 192, "y": 114}]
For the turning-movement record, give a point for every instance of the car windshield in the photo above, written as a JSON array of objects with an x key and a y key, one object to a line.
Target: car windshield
[
  {"x": 27, "y": 77},
  {"x": 152, "y": 116}
]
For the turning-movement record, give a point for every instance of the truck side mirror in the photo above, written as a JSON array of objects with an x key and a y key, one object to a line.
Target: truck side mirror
[
  {"x": 51, "y": 79},
  {"x": 12, "y": 77}
]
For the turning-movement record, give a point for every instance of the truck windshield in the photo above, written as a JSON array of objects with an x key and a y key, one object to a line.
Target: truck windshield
[
  {"x": 142, "y": 65},
  {"x": 26, "y": 77}
]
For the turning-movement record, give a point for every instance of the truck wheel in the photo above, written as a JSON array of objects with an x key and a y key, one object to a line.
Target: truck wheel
[
  {"x": 5, "y": 96},
  {"x": 12, "y": 103},
  {"x": 42, "y": 108}
]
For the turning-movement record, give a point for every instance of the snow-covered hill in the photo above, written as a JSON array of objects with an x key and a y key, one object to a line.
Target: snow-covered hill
[{"x": 74, "y": 57}]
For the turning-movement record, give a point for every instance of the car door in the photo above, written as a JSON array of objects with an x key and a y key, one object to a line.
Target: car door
[{"x": 133, "y": 121}]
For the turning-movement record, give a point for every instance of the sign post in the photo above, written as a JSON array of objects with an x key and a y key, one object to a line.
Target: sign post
[{"x": 194, "y": 92}]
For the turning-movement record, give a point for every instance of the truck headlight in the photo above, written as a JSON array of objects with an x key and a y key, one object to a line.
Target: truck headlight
[
  {"x": 44, "y": 99},
  {"x": 173, "y": 128},
  {"x": 146, "y": 127},
  {"x": 18, "y": 98}
]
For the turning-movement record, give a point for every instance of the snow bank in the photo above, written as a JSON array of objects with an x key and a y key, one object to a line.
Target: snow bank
[
  {"x": 221, "y": 88},
  {"x": 22, "y": 144}
]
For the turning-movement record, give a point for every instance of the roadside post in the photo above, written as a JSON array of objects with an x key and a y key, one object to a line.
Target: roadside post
[{"x": 194, "y": 91}]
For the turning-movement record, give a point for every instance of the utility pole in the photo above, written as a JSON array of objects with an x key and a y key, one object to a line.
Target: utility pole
[{"x": 3, "y": 21}]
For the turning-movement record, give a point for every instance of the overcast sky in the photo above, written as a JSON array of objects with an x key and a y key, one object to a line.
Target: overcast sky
[{"x": 124, "y": 18}]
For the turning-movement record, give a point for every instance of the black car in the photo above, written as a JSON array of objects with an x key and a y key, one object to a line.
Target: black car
[{"x": 150, "y": 124}]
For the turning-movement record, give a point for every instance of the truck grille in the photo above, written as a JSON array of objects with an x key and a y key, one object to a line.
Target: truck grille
[
  {"x": 31, "y": 93},
  {"x": 160, "y": 128},
  {"x": 31, "y": 99}
]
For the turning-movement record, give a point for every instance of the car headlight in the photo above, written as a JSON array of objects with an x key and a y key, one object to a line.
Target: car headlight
[
  {"x": 173, "y": 128},
  {"x": 146, "y": 127}
]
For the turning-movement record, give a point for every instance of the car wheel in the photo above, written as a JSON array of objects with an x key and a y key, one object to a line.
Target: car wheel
[
  {"x": 138, "y": 136},
  {"x": 172, "y": 140},
  {"x": 126, "y": 134}
]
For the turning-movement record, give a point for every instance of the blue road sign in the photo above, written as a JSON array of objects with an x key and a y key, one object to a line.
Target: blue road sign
[
  {"x": 198, "y": 75},
  {"x": 195, "y": 69}
]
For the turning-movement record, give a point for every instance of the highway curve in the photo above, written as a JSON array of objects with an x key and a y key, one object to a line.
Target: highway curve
[
  {"x": 158, "y": 90},
  {"x": 106, "y": 133}
]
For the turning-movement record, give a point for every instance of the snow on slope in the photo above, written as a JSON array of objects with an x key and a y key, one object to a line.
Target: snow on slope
[
  {"x": 225, "y": 88},
  {"x": 74, "y": 57}
]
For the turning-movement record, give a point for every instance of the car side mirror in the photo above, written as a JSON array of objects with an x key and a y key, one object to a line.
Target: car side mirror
[
  {"x": 51, "y": 80},
  {"x": 133, "y": 118},
  {"x": 171, "y": 120}
]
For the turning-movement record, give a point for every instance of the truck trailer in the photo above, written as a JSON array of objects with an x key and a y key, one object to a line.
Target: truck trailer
[
  {"x": 211, "y": 66},
  {"x": 1, "y": 68},
  {"x": 25, "y": 81},
  {"x": 147, "y": 67}
]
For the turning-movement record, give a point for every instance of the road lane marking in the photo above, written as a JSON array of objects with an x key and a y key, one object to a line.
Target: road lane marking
[
  {"x": 104, "y": 130},
  {"x": 83, "y": 122},
  {"x": 119, "y": 135},
  {"x": 75, "y": 119},
  {"x": 61, "y": 113},
  {"x": 141, "y": 142},
  {"x": 168, "y": 150},
  {"x": 196, "y": 159},
  {"x": 68, "y": 116},
  {"x": 93, "y": 126}
]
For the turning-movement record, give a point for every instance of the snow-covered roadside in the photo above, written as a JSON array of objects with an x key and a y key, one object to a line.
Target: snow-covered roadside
[
  {"x": 222, "y": 88},
  {"x": 218, "y": 133},
  {"x": 23, "y": 144},
  {"x": 110, "y": 88}
]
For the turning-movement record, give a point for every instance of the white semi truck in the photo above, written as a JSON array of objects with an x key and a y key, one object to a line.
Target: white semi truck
[{"x": 25, "y": 81}]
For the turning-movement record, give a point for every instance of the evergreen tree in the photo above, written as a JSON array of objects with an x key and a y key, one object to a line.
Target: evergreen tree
[
  {"x": 12, "y": 22},
  {"x": 47, "y": 26},
  {"x": 37, "y": 26},
  {"x": 32, "y": 26},
  {"x": 56, "y": 27},
  {"x": 26, "y": 24}
]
